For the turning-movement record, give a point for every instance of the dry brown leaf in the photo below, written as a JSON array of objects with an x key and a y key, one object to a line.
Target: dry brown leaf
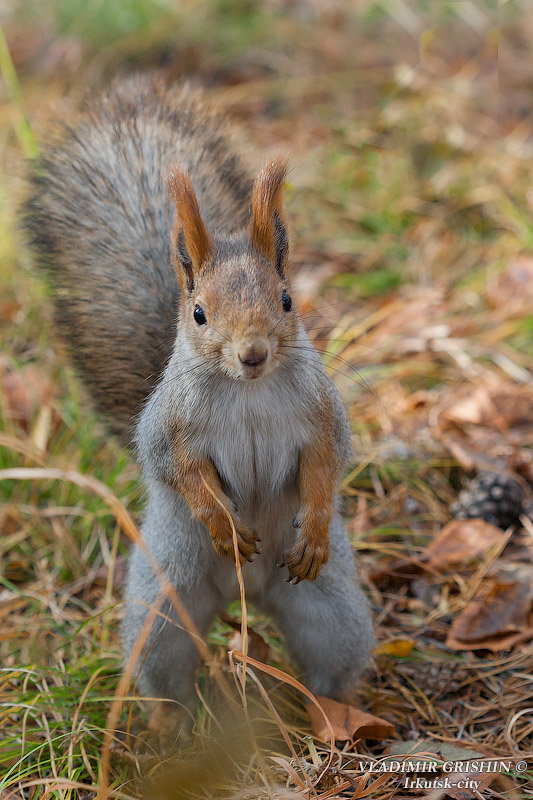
[
  {"x": 25, "y": 390},
  {"x": 514, "y": 404},
  {"x": 475, "y": 407},
  {"x": 461, "y": 541},
  {"x": 498, "y": 404},
  {"x": 348, "y": 722},
  {"x": 8, "y": 310},
  {"x": 498, "y": 644},
  {"x": 497, "y": 622},
  {"x": 393, "y": 572},
  {"x": 504, "y": 609},
  {"x": 486, "y": 427}
]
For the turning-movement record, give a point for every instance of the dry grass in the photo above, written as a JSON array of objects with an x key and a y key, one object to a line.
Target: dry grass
[{"x": 410, "y": 208}]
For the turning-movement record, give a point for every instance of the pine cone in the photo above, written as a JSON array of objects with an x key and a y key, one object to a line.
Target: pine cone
[
  {"x": 437, "y": 678},
  {"x": 495, "y": 497}
]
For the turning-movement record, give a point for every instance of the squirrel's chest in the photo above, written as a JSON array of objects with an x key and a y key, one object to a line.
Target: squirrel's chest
[{"x": 254, "y": 443}]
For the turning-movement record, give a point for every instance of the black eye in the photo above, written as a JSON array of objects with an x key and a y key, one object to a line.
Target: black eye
[
  {"x": 199, "y": 315},
  {"x": 286, "y": 301}
]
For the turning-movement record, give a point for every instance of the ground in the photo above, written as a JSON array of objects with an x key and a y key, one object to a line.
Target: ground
[{"x": 410, "y": 204}]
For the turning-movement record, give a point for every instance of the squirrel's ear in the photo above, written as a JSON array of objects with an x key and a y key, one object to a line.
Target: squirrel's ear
[
  {"x": 268, "y": 231},
  {"x": 191, "y": 243}
]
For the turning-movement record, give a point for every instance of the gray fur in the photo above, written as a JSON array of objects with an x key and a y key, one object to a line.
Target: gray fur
[
  {"x": 101, "y": 221},
  {"x": 253, "y": 432}
]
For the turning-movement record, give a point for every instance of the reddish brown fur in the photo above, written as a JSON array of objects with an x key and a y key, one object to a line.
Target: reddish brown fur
[
  {"x": 267, "y": 200},
  {"x": 197, "y": 239},
  {"x": 198, "y": 481},
  {"x": 317, "y": 478}
]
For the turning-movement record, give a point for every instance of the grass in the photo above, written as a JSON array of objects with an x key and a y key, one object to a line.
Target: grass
[{"x": 410, "y": 197}]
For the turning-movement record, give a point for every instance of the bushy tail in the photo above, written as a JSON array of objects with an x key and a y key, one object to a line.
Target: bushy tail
[{"x": 99, "y": 219}]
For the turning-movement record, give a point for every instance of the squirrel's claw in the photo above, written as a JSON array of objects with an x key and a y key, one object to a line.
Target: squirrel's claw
[
  {"x": 306, "y": 558},
  {"x": 222, "y": 535},
  {"x": 247, "y": 541}
]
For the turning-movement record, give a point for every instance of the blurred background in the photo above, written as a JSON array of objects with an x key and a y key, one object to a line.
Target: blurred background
[{"x": 408, "y": 125}]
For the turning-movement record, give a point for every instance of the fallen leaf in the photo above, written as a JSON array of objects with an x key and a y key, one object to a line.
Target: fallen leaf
[
  {"x": 486, "y": 427},
  {"x": 475, "y": 407},
  {"x": 396, "y": 647},
  {"x": 496, "y": 404},
  {"x": 504, "y": 609},
  {"x": 348, "y": 722},
  {"x": 26, "y": 390},
  {"x": 462, "y": 541},
  {"x": 393, "y": 572},
  {"x": 8, "y": 310},
  {"x": 514, "y": 404},
  {"x": 497, "y": 644},
  {"x": 496, "y": 622}
]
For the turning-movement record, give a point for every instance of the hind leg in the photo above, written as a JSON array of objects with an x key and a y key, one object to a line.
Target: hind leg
[
  {"x": 169, "y": 659},
  {"x": 166, "y": 666},
  {"x": 326, "y": 623}
]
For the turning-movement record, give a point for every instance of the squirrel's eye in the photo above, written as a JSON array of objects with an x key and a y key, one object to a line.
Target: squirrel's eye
[
  {"x": 286, "y": 301},
  {"x": 199, "y": 315}
]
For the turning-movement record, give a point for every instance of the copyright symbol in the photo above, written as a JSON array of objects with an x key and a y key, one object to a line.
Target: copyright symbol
[{"x": 521, "y": 766}]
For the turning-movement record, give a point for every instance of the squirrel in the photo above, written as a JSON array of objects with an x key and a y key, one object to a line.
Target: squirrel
[{"x": 170, "y": 265}]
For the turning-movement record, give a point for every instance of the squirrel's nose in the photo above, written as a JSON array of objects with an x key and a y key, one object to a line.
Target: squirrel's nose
[{"x": 253, "y": 354}]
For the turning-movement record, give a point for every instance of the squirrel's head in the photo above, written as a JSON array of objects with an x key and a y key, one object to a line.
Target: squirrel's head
[{"x": 235, "y": 306}]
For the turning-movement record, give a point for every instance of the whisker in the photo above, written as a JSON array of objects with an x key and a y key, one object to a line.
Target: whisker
[
  {"x": 312, "y": 348},
  {"x": 362, "y": 381}
]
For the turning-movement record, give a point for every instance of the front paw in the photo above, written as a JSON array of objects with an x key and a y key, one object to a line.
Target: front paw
[
  {"x": 311, "y": 550},
  {"x": 221, "y": 531}
]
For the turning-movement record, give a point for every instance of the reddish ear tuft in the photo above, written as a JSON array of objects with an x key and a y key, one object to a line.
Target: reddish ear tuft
[
  {"x": 267, "y": 209},
  {"x": 188, "y": 224}
]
